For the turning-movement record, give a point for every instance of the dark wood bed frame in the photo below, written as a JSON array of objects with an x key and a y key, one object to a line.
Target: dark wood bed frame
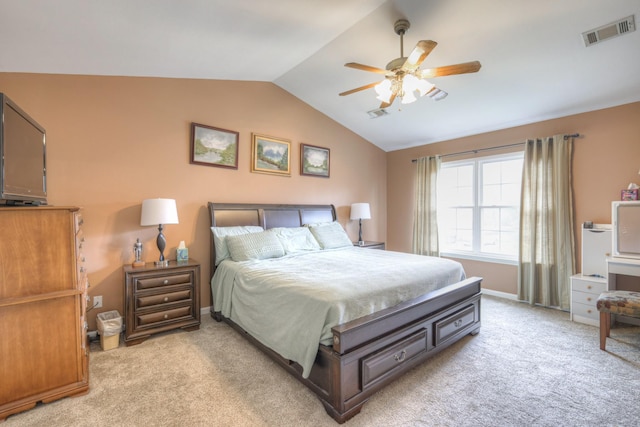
[{"x": 372, "y": 351}]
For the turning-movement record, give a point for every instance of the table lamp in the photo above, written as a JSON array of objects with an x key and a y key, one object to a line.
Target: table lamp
[
  {"x": 360, "y": 211},
  {"x": 159, "y": 212}
]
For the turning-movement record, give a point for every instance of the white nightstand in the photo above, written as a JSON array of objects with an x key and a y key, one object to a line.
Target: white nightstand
[{"x": 585, "y": 291}]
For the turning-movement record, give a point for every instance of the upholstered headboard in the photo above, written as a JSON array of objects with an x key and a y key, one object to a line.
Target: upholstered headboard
[{"x": 266, "y": 216}]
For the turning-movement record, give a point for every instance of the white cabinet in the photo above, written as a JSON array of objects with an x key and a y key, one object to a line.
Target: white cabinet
[
  {"x": 586, "y": 287},
  {"x": 585, "y": 291}
]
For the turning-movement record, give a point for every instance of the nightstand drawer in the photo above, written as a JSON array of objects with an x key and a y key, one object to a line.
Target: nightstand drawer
[
  {"x": 589, "y": 311},
  {"x": 593, "y": 286},
  {"x": 164, "y": 280},
  {"x": 162, "y": 316},
  {"x": 151, "y": 300},
  {"x": 585, "y": 298}
]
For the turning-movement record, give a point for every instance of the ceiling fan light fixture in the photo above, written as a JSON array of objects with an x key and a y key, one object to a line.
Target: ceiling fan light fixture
[
  {"x": 383, "y": 89},
  {"x": 424, "y": 87}
]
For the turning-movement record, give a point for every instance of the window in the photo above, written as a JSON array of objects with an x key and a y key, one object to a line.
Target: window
[{"x": 479, "y": 207}]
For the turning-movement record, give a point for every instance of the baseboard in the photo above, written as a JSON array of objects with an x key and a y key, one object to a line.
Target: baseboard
[
  {"x": 204, "y": 311},
  {"x": 500, "y": 294}
]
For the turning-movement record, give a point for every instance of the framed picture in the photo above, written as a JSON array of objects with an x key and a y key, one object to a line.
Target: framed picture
[
  {"x": 211, "y": 146},
  {"x": 314, "y": 161},
  {"x": 628, "y": 195},
  {"x": 270, "y": 155}
]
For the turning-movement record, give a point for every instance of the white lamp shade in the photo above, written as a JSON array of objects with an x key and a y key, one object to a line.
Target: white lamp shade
[
  {"x": 360, "y": 211},
  {"x": 159, "y": 211}
]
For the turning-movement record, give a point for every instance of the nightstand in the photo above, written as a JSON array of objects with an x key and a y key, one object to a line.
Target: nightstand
[
  {"x": 370, "y": 245},
  {"x": 159, "y": 299}
]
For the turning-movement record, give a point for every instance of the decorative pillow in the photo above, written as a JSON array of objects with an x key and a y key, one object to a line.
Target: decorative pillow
[
  {"x": 295, "y": 240},
  {"x": 330, "y": 235},
  {"x": 254, "y": 246},
  {"x": 220, "y": 238}
]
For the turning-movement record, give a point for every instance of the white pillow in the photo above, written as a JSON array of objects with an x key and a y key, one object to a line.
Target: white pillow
[
  {"x": 330, "y": 235},
  {"x": 220, "y": 234},
  {"x": 295, "y": 240},
  {"x": 254, "y": 246}
]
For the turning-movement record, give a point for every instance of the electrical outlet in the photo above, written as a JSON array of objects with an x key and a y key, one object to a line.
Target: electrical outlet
[{"x": 97, "y": 301}]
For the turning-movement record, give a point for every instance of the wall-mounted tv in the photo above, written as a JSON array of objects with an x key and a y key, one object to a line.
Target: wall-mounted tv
[
  {"x": 23, "y": 163},
  {"x": 625, "y": 218}
]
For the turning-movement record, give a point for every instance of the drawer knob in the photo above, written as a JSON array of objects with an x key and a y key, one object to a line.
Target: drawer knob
[
  {"x": 457, "y": 323},
  {"x": 589, "y": 311},
  {"x": 588, "y": 298},
  {"x": 166, "y": 316},
  {"x": 588, "y": 286},
  {"x": 400, "y": 356},
  {"x": 166, "y": 299},
  {"x": 165, "y": 281}
]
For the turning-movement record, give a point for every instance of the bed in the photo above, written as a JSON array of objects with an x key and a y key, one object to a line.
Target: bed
[{"x": 356, "y": 356}]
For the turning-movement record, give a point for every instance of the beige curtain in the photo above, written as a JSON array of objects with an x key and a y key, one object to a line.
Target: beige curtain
[
  {"x": 425, "y": 225},
  {"x": 547, "y": 256}
]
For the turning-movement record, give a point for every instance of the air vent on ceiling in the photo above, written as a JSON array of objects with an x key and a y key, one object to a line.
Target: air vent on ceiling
[
  {"x": 614, "y": 29},
  {"x": 374, "y": 114}
]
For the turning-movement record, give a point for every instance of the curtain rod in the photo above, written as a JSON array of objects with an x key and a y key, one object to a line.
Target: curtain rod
[{"x": 574, "y": 135}]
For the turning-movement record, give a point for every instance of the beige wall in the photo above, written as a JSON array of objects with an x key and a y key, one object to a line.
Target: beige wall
[
  {"x": 606, "y": 159},
  {"x": 114, "y": 141}
]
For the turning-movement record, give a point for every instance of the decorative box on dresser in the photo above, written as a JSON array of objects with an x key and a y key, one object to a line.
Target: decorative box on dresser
[
  {"x": 161, "y": 298},
  {"x": 43, "y": 295}
]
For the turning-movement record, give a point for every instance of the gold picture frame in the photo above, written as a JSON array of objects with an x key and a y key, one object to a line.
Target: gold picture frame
[{"x": 270, "y": 155}]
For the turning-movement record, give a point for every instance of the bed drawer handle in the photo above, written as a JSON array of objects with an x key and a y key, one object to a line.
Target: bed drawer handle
[
  {"x": 457, "y": 323},
  {"x": 400, "y": 356}
]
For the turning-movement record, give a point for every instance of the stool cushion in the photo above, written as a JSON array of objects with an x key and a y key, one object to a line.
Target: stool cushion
[{"x": 626, "y": 303}]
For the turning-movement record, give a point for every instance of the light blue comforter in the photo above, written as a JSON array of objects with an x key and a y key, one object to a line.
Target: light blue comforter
[{"x": 291, "y": 303}]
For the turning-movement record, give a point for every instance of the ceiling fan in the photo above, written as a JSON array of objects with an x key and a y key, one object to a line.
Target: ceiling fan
[{"x": 403, "y": 77}]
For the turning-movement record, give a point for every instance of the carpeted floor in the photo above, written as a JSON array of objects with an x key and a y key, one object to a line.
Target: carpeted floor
[{"x": 528, "y": 366}]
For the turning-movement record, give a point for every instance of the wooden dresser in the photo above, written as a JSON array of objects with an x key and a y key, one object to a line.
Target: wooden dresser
[
  {"x": 161, "y": 298},
  {"x": 43, "y": 294}
]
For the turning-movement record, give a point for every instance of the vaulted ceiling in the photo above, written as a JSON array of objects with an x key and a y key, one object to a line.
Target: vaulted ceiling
[{"x": 535, "y": 65}]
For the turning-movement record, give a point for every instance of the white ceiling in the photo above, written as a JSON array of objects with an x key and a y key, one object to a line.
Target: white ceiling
[{"x": 534, "y": 63}]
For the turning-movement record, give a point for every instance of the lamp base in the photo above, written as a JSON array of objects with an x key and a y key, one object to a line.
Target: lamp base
[{"x": 163, "y": 263}]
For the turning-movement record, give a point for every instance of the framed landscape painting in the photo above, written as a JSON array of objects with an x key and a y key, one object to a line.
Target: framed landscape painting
[
  {"x": 211, "y": 146},
  {"x": 314, "y": 161},
  {"x": 270, "y": 155}
]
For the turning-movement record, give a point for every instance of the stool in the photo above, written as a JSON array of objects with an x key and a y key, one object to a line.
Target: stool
[{"x": 626, "y": 303}]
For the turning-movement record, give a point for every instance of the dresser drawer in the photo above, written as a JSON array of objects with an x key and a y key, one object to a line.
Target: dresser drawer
[
  {"x": 151, "y": 300},
  {"x": 585, "y": 298},
  {"x": 451, "y": 325},
  {"x": 163, "y": 280},
  {"x": 163, "y": 316},
  {"x": 375, "y": 367},
  {"x": 593, "y": 286},
  {"x": 585, "y": 310}
]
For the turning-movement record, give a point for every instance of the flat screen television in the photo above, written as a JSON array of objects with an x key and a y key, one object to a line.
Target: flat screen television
[
  {"x": 23, "y": 157},
  {"x": 625, "y": 220}
]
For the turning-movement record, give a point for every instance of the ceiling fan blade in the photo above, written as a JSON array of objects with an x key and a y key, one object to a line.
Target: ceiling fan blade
[
  {"x": 365, "y": 68},
  {"x": 464, "y": 68},
  {"x": 419, "y": 53},
  {"x": 388, "y": 104},
  {"x": 358, "y": 89}
]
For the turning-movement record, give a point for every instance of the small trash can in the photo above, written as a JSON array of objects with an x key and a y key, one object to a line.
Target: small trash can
[{"x": 109, "y": 327}]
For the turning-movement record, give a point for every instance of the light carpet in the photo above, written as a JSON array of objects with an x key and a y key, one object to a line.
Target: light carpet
[{"x": 529, "y": 366}]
